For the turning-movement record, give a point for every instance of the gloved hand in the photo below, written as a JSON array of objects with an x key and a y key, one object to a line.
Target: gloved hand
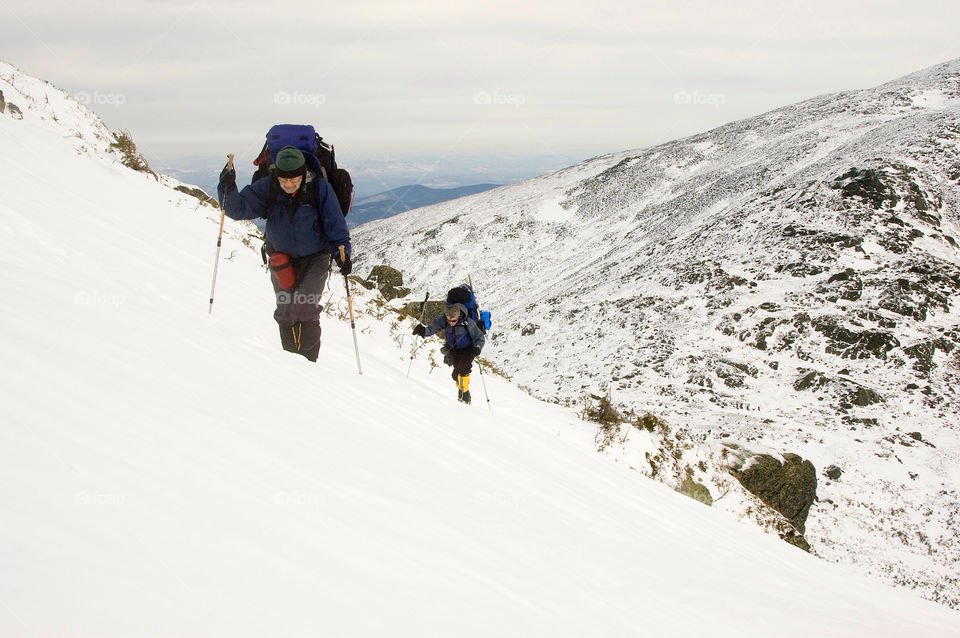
[
  {"x": 475, "y": 351},
  {"x": 228, "y": 177},
  {"x": 420, "y": 330},
  {"x": 346, "y": 266}
]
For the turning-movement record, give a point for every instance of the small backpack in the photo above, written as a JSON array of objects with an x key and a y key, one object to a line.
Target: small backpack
[
  {"x": 463, "y": 294},
  {"x": 320, "y": 156}
]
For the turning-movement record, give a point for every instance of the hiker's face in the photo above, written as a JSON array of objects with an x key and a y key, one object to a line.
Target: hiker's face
[
  {"x": 290, "y": 184},
  {"x": 452, "y": 320}
]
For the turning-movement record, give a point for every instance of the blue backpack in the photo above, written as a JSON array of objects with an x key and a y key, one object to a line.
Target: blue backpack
[
  {"x": 463, "y": 294},
  {"x": 320, "y": 156}
]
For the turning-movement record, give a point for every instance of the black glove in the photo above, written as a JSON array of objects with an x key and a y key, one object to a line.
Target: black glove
[
  {"x": 346, "y": 266},
  {"x": 228, "y": 177},
  {"x": 475, "y": 351},
  {"x": 420, "y": 330}
]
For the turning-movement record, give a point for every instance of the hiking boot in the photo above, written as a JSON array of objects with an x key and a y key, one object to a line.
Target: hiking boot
[{"x": 465, "y": 396}]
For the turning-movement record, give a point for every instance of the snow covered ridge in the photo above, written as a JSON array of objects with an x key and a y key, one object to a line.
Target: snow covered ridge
[
  {"x": 40, "y": 103},
  {"x": 783, "y": 284}
]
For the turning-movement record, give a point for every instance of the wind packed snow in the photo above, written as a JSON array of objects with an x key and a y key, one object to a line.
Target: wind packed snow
[{"x": 168, "y": 472}]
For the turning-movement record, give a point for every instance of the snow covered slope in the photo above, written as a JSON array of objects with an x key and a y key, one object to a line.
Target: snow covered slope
[
  {"x": 787, "y": 283},
  {"x": 166, "y": 472}
]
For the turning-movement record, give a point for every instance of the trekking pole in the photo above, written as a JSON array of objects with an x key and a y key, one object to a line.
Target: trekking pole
[
  {"x": 216, "y": 261},
  {"x": 484, "y": 383},
  {"x": 353, "y": 326},
  {"x": 480, "y": 367},
  {"x": 423, "y": 307}
]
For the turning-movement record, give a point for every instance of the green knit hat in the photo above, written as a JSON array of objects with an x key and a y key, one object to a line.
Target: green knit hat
[{"x": 290, "y": 162}]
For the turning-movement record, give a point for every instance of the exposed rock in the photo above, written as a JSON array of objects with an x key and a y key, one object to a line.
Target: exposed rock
[
  {"x": 922, "y": 353},
  {"x": 197, "y": 193},
  {"x": 385, "y": 275},
  {"x": 529, "y": 329},
  {"x": 14, "y": 111},
  {"x": 797, "y": 541},
  {"x": 789, "y": 487},
  {"x": 800, "y": 269},
  {"x": 811, "y": 380},
  {"x": 833, "y": 472},
  {"x": 864, "y": 396},
  {"x": 696, "y": 491},
  {"x": 389, "y": 281},
  {"x": 846, "y": 284},
  {"x": 369, "y": 285},
  {"x": 867, "y": 184},
  {"x": 851, "y": 344},
  {"x": 431, "y": 310}
]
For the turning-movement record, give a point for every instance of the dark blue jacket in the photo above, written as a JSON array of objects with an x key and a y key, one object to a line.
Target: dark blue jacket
[
  {"x": 463, "y": 334},
  {"x": 294, "y": 226}
]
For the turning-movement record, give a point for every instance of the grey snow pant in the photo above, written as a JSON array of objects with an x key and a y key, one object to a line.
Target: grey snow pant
[{"x": 298, "y": 309}]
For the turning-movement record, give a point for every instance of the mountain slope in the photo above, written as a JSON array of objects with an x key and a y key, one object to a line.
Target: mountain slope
[
  {"x": 167, "y": 472},
  {"x": 787, "y": 283},
  {"x": 404, "y": 198}
]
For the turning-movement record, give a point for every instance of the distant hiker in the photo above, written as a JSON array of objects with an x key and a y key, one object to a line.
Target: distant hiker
[
  {"x": 305, "y": 227},
  {"x": 464, "y": 342}
]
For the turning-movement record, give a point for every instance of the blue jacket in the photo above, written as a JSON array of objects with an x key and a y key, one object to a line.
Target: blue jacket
[
  {"x": 294, "y": 226},
  {"x": 463, "y": 334}
]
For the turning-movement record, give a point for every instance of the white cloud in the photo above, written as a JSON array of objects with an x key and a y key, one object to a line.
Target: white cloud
[{"x": 571, "y": 76}]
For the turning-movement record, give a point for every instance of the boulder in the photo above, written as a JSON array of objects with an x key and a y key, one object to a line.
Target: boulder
[
  {"x": 389, "y": 281},
  {"x": 789, "y": 487},
  {"x": 696, "y": 491},
  {"x": 833, "y": 472},
  {"x": 432, "y": 310}
]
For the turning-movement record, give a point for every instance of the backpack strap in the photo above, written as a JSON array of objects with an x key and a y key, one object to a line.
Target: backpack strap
[{"x": 273, "y": 192}]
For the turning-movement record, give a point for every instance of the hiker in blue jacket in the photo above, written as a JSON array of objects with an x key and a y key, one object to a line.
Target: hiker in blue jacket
[
  {"x": 464, "y": 342},
  {"x": 305, "y": 227}
]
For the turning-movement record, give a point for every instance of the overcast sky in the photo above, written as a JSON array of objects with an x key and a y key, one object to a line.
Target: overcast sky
[{"x": 383, "y": 79}]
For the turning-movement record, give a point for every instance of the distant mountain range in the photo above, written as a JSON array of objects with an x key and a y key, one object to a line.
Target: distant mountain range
[
  {"x": 380, "y": 176},
  {"x": 400, "y": 200}
]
